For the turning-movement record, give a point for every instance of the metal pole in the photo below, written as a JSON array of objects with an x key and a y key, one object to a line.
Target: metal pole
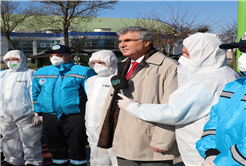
[{"x": 241, "y": 23}]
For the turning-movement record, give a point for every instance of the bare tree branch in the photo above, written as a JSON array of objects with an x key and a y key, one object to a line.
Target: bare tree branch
[
  {"x": 229, "y": 35},
  {"x": 173, "y": 26},
  {"x": 62, "y": 13},
  {"x": 78, "y": 41},
  {"x": 11, "y": 17}
]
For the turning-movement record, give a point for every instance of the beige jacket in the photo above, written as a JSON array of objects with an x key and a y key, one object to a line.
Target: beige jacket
[{"x": 152, "y": 82}]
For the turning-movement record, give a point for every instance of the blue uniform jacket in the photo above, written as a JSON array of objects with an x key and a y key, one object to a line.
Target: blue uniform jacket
[
  {"x": 57, "y": 90},
  {"x": 226, "y": 129}
]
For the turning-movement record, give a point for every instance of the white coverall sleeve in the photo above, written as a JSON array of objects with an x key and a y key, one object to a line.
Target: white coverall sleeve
[
  {"x": 188, "y": 106},
  {"x": 30, "y": 89},
  {"x": 165, "y": 131}
]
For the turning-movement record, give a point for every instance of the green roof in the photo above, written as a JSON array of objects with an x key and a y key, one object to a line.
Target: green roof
[
  {"x": 116, "y": 23},
  {"x": 100, "y": 22},
  {"x": 113, "y": 23}
]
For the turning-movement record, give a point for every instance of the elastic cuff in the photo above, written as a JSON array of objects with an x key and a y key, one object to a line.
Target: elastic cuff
[
  {"x": 40, "y": 114},
  {"x": 78, "y": 162},
  {"x": 212, "y": 152},
  {"x": 60, "y": 161}
]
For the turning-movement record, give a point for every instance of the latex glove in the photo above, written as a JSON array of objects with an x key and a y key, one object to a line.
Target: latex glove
[
  {"x": 37, "y": 120},
  {"x": 124, "y": 102},
  {"x": 209, "y": 161},
  {"x": 157, "y": 150}
]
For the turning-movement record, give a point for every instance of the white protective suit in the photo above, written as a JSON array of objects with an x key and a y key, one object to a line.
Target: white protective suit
[
  {"x": 16, "y": 113},
  {"x": 200, "y": 85},
  {"x": 97, "y": 88}
]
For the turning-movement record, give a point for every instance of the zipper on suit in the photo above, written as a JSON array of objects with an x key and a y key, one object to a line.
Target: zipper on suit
[{"x": 53, "y": 98}]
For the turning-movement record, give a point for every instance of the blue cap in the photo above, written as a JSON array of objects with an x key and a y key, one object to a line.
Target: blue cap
[
  {"x": 241, "y": 43},
  {"x": 59, "y": 49}
]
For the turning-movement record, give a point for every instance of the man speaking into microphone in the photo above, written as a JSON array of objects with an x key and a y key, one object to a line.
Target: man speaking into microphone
[{"x": 152, "y": 77}]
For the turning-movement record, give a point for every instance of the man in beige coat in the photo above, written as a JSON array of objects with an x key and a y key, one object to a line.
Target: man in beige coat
[{"x": 136, "y": 142}]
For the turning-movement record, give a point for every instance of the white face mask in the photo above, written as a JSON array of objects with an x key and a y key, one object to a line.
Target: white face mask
[
  {"x": 242, "y": 62},
  {"x": 101, "y": 69},
  {"x": 14, "y": 65},
  {"x": 183, "y": 60},
  {"x": 56, "y": 61}
]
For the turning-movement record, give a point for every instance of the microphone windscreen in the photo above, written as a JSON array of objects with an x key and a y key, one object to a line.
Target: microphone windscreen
[{"x": 119, "y": 82}]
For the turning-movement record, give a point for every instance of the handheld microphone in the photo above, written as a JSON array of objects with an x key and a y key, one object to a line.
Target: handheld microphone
[{"x": 119, "y": 82}]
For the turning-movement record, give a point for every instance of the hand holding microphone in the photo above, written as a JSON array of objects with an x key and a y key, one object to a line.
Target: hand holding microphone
[
  {"x": 124, "y": 102},
  {"x": 119, "y": 82}
]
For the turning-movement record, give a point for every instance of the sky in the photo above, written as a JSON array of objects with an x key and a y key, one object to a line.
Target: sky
[
  {"x": 218, "y": 11},
  {"x": 129, "y": 9}
]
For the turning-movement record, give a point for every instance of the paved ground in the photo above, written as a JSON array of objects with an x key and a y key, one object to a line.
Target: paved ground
[
  {"x": 48, "y": 161},
  {"x": 45, "y": 152}
]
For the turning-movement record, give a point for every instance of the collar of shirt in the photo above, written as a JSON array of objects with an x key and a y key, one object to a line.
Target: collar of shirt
[{"x": 138, "y": 60}]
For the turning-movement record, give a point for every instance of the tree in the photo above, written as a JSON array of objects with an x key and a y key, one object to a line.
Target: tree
[
  {"x": 229, "y": 35},
  {"x": 11, "y": 17},
  {"x": 173, "y": 26},
  {"x": 78, "y": 42},
  {"x": 64, "y": 13}
]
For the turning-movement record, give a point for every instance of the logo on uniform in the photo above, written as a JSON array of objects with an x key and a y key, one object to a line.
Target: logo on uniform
[
  {"x": 244, "y": 36},
  {"x": 56, "y": 47},
  {"x": 21, "y": 81},
  {"x": 42, "y": 81},
  {"x": 115, "y": 82}
]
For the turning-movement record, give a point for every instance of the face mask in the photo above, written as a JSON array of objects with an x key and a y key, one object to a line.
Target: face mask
[
  {"x": 56, "y": 61},
  {"x": 242, "y": 62},
  {"x": 101, "y": 69},
  {"x": 13, "y": 65},
  {"x": 183, "y": 60}
]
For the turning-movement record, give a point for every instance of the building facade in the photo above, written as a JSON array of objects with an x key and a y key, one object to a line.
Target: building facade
[{"x": 101, "y": 34}]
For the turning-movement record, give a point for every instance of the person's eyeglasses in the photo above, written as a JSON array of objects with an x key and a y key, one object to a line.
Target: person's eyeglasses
[{"x": 126, "y": 41}]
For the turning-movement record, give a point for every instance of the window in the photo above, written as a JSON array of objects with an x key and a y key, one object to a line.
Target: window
[
  {"x": 42, "y": 44},
  {"x": 88, "y": 44}
]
